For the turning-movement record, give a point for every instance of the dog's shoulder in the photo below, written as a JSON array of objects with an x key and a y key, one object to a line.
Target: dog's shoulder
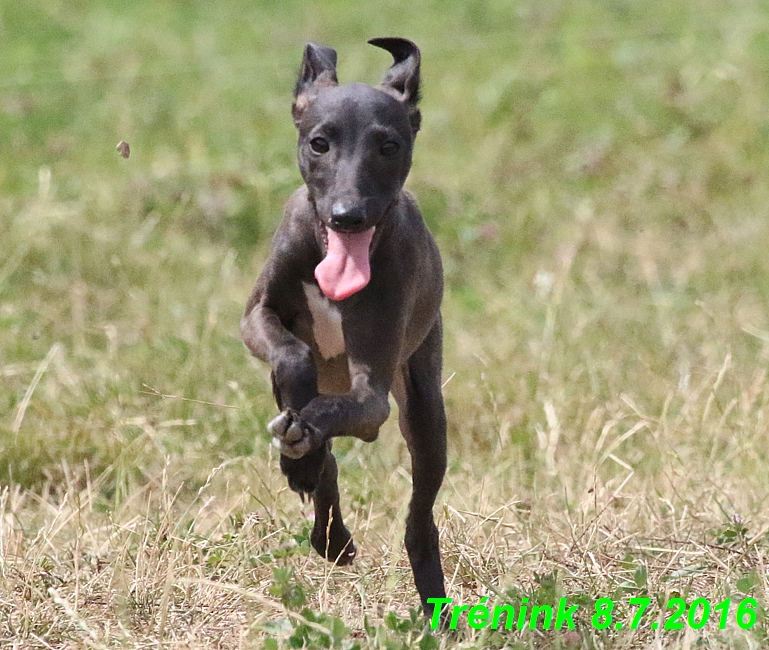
[
  {"x": 411, "y": 224},
  {"x": 413, "y": 235}
]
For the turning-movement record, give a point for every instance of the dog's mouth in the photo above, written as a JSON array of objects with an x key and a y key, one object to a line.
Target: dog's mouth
[{"x": 345, "y": 269}]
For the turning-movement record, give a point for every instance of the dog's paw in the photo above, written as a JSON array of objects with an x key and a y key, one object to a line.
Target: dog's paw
[
  {"x": 333, "y": 543},
  {"x": 341, "y": 553},
  {"x": 292, "y": 436}
]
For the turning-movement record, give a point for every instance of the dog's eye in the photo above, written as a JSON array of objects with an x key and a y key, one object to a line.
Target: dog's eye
[
  {"x": 389, "y": 148},
  {"x": 319, "y": 145}
]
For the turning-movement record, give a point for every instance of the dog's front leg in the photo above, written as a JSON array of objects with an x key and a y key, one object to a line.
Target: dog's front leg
[
  {"x": 359, "y": 413},
  {"x": 373, "y": 338},
  {"x": 294, "y": 383},
  {"x": 304, "y": 434},
  {"x": 304, "y": 429},
  {"x": 294, "y": 375}
]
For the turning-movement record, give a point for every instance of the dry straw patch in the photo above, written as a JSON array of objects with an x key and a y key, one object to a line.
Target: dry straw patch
[{"x": 182, "y": 569}]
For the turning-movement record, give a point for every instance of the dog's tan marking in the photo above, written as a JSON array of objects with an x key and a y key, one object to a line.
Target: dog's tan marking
[{"x": 326, "y": 322}]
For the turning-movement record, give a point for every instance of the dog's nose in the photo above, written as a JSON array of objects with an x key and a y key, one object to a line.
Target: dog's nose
[{"x": 346, "y": 216}]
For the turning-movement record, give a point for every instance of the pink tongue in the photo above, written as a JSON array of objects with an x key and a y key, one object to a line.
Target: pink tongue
[{"x": 345, "y": 270}]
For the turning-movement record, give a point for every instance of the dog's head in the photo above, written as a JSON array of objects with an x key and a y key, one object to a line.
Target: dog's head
[{"x": 355, "y": 145}]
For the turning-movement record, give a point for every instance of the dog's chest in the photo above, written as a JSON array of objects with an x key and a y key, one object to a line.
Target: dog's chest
[{"x": 326, "y": 322}]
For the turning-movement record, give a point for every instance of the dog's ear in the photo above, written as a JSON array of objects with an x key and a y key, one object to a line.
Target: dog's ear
[
  {"x": 318, "y": 70},
  {"x": 402, "y": 79}
]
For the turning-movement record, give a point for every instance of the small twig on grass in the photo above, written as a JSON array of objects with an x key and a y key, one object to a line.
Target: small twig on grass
[
  {"x": 157, "y": 393},
  {"x": 21, "y": 411},
  {"x": 453, "y": 374}
]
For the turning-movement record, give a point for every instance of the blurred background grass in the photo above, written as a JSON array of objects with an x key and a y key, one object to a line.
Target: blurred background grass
[
  {"x": 594, "y": 172},
  {"x": 608, "y": 155}
]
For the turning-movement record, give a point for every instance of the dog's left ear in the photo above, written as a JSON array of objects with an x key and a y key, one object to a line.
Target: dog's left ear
[
  {"x": 402, "y": 79},
  {"x": 318, "y": 70}
]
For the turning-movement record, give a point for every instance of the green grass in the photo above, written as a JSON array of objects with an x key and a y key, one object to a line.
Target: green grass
[{"x": 595, "y": 174}]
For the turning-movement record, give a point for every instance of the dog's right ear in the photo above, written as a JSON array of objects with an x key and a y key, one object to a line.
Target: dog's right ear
[
  {"x": 318, "y": 70},
  {"x": 402, "y": 79}
]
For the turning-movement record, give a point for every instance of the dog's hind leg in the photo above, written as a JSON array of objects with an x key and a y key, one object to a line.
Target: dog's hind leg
[
  {"x": 316, "y": 475},
  {"x": 417, "y": 390},
  {"x": 330, "y": 538}
]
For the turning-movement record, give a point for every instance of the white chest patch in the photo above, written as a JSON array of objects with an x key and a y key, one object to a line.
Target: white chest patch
[{"x": 326, "y": 322}]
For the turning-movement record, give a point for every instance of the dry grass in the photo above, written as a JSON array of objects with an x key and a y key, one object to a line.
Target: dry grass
[{"x": 194, "y": 568}]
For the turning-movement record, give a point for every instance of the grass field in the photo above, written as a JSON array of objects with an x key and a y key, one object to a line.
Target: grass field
[{"x": 596, "y": 176}]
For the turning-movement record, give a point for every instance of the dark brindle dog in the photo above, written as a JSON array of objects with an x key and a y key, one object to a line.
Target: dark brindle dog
[{"x": 347, "y": 308}]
